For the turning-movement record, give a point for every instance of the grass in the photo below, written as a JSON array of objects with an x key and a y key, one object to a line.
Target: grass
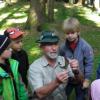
[{"x": 16, "y": 16}]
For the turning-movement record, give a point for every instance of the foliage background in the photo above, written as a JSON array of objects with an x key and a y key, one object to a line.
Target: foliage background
[{"x": 16, "y": 16}]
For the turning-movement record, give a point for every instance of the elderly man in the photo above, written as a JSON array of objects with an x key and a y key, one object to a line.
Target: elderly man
[{"x": 48, "y": 75}]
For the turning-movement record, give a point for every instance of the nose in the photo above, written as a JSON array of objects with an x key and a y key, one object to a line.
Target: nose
[
  {"x": 69, "y": 35},
  {"x": 54, "y": 47},
  {"x": 21, "y": 43}
]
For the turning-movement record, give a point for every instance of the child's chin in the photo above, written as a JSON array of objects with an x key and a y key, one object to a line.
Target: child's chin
[{"x": 71, "y": 40}]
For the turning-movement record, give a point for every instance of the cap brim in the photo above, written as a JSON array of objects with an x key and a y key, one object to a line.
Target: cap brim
[
  {"x": 48, "y": 40},
  {"x": 16, "y": 35}
]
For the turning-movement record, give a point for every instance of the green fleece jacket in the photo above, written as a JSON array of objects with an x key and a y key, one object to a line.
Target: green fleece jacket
[{"x": 6, "y": 85}]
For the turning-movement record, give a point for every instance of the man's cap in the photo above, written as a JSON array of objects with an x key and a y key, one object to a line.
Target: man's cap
[
  {"x": 4, "y": 42},
  {"x": 13, "y": 33},
  {"x": 48, "y": 37}
]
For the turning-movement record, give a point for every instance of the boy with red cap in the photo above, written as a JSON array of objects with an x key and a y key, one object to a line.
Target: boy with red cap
[{"x": 18, "y": 53}]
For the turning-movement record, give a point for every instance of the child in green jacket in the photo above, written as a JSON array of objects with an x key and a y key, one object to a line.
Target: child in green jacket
[{"x": 11, "y": 87}]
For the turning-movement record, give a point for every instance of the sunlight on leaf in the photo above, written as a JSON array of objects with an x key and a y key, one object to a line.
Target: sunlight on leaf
[
  {"x": 22, "y": 20},
  {"x": 26, "y": 6},
  {"x": 2, "y": 16},
  {"x": 55, "y": 10},
  {"x": 2, "y": 5},
  {"x": 94, "y": 18},
  {"x": 19, "y": 14},
  {"x": 35, "y": 51},
  {"x": 1, "y": 32}
]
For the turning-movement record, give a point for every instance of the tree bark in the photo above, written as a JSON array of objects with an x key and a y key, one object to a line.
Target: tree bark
[
  {"x": 43, "y": 5},
  {"x": 50, "y": 5},
  {"x": 97, "y": 4},
  {"x": 71, "y": 1},
  {"x": 41, "y": 16},
  {"x": 36, "y": 15},
  {"x": 82, "y": 2}
]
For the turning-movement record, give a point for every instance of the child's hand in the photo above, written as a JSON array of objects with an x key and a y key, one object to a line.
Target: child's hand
[
  {"x": 86, "y": 84},
  {"x": 74, "y": 64}
]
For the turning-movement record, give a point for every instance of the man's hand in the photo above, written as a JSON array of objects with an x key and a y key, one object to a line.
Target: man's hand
[
  {"x": 62, "y": 77},
  {"x": 86, "y": 84},
  {"x": 47, "y": 89},
  {"x": 74, "y": 64}
]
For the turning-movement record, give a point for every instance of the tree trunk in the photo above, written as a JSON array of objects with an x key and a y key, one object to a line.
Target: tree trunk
[
  {"x": 31, "y": 20},
  {"x": 41, "y": 16},
  {"x": 43, "y": 5},
  {"x": 50, "y": 5},
  {"x": 97, "y": 4},
  {"x": 71, "y": 1},
  {"x": 36, "y": 15},
  {"x": 82, "y": 2}
]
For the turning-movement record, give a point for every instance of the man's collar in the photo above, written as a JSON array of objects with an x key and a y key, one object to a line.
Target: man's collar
[
  {"x": 60, "y": 61},
  {"x": 44, "y": 61}
]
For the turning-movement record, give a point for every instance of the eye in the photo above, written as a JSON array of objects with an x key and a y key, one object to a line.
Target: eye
[{"x": 70, "y": 33}]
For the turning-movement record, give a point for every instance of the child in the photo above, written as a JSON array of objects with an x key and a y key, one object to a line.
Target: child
[
  {"x": 11, "y": 87},
  {"x": 18, "y": 53},
  {"x": 76, "y": 48}
]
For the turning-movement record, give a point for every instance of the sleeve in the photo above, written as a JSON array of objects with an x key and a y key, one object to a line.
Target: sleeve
[
  {"x": 35, "y": 77},
  {"x": 88, "y": 61},
  {"x": 27, "y": 61},
  {"x": 25, "y": 55},
  {"x": 23, "y": 95}
]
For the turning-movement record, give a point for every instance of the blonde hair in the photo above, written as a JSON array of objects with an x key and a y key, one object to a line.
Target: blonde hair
[{"x": 71, "y": 25}]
